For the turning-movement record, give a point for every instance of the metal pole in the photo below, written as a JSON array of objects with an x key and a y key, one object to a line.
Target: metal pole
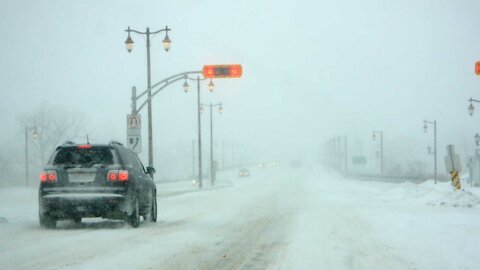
[
  {"x": 200, "y": 176},
  {"x": 193, "y": 158},
  {"x": 26, "y": 156},
  {"x": 381, "y": 152},
  {"x": 339, "y": 155},
  {"x": 211, "y": 145},
  {"x": 223, "y": 155},
  {"x": 435, "y": 149},
  {"x": 232, "y": 162},
  {"x": 242, "y": 152},
  {"x": 346, "y": 155},
  {"x": 150, "y": 128}
]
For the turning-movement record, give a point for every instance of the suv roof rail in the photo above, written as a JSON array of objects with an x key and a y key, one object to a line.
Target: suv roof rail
[{"x": 116, "y": 143}]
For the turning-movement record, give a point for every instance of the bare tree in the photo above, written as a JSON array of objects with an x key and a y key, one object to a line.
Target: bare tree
[{"x": 53, "y": 125}]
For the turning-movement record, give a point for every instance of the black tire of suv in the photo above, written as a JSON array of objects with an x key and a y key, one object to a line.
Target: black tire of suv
[
  {"x": 134, "y": 218},
  {"x": 47, "y": 221},
  {"x": 77, "y": 220},
  {"x": 153, "y": 210}
]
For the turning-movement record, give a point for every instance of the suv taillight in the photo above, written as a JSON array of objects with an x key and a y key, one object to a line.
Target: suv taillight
[
  {"x": 48, "y": 176},
  {"x": 117, "y": 175}
]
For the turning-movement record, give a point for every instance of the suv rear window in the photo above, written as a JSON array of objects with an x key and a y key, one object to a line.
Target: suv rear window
[{"x": 86, "y": 157}]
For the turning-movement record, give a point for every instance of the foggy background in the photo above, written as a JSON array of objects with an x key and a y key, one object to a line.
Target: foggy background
[{"x": 311, "y": 70}]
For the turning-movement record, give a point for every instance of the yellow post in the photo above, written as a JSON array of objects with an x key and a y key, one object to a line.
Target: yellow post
[{"x": 455, "y": 179}]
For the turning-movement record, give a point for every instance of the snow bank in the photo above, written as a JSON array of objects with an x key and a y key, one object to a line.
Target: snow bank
[{"x": 431, "y": 194}]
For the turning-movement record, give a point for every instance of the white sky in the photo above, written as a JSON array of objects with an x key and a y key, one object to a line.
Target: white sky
[{"x": 312, "y": 70}]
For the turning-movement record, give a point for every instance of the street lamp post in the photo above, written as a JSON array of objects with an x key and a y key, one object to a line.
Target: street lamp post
[
  {"x": 425, "y": 128},
  {"x": 34, "y": 136},
  {"x": 193, "y": 158},
  {"x": 381, "y": 147},
  {"x": 471, "y": 108},
  {"x": 220, "y": 110},
  {"x": 199, "y": 110},
  {"x": 223, "y": 155},
  {"x": 346, "y": 153},
  {"x": 232, "y": 162},
  {"x": 166, "y": 45}
]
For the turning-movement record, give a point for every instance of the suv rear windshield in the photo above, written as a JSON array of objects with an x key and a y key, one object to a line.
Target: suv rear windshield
[{"x": 85, "y": 157}]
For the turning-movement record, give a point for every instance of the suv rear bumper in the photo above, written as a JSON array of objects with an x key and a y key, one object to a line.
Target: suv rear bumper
[{"x": 69, "y": 205}]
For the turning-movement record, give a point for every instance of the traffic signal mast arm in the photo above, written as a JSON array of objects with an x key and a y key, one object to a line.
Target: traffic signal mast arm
[
  {"x": 474, "y": 100},
  {"x": 209, "y": 71},
  {"x": 167, "y": 81}
]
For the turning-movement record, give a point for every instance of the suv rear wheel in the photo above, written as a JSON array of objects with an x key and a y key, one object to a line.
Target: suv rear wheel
[
  {"x": 134, "y": 218},
  {"x": 77, "y": 219},
  {"x": 153, "y": 210},
  {"x": 47, "y": 221}
]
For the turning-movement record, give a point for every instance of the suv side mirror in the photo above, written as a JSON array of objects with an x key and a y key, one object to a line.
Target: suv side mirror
[{"x": 150, "y": 170}]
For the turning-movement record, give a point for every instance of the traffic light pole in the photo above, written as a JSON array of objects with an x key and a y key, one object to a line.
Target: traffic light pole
[
  {"x": 212, "y": 169},
  {"x": 200, "y": 175},
  {"x": 212, "y": 173},
  {"x": 162, "y": 85}
]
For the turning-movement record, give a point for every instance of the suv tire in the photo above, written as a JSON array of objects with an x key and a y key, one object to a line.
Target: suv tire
[
  {"x": 47, "y": 221},
  {"x": 153, "y": 210},
  {"x": 77, "y": 220},
  {"x": 134, "y": 218}
]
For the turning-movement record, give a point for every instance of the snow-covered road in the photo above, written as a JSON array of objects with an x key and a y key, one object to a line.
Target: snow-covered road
[{"x": 279, "y": 218}]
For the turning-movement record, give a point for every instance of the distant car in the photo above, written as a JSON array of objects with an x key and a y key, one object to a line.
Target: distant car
[
  {"x": 243, "y": 173},
  {"x": 263, "y": 165},
  {"x": 104, "y": 180}
]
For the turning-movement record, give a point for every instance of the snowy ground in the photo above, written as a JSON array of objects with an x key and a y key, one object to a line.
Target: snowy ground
[{"x": 279, "y": 218}]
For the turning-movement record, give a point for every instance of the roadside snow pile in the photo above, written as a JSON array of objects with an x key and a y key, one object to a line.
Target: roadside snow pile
[
  {"x": 443, "y": 194},
  {"x": 440, "y": 194},
  {"x": 459, "y": 198}
]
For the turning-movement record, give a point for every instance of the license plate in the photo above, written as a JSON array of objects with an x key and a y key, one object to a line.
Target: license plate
[{"x": 81, "y": 177}]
